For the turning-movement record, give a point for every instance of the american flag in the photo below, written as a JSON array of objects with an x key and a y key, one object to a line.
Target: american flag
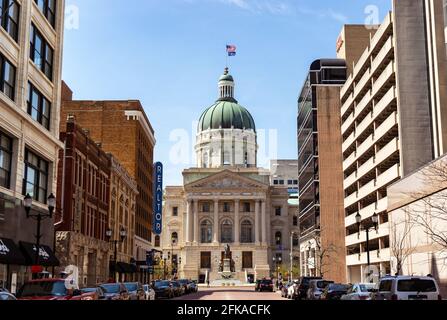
[{"x": 231, "y": 49}]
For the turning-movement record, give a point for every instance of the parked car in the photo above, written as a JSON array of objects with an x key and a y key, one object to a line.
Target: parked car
[
  {"x": 96, "y": 293},
  {"x": 334, "y": 291},
  {"x": 264, "y": 285},
  {"x": 115, "y": 291},
  {"x": 284, "y": 289},
  {"x": 49, "y": 289},
  {"x": 193, "y": 287},
  {"x": 360, "y": 291},
  {"x": 149, "y": 293},
  {"x": 186, "y": 285},
  {"x": 135, "y": 290},
  {"x": 163, "y": 289},
  {"x": 179, "y": 290},
  {"x": 6, "y": 296},
  {"x": 407, "y": 288},
  {"x": 292, "y": 291},
  {"x": 316, "y": 288},
  {"x": 304, "y": 286}
]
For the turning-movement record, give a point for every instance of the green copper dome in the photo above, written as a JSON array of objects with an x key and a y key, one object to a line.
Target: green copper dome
[
  {"x": 226, "y": 115},
  {"x": 226, "y": 77}
]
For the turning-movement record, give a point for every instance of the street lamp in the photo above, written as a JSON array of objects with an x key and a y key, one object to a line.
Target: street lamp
[
  {"x": 122, "y": 237},
  {"x": 277, "y": 261},
  {"x": 292, "y": 234},
  {"x": 39, "y": 217},
  {"x": 367, "y": 228}
]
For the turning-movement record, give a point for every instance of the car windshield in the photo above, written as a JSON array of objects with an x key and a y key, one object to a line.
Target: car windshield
[
  {"x": 87, "y": 290},
  {"x": 175, "y": 284},
  {"x": 131, "y": 286},
  {"x": 367, "y": 287},
  {"x": 42, "y": 289},
  {"x": 338, "y": 287},
  {"x": 323, "y": 284},
  {"x": 416, "y": 285},
  {"x": 159, "y": 284},
  {"x": 111, "y": 288},
  {"x": 267, "y": 282}
]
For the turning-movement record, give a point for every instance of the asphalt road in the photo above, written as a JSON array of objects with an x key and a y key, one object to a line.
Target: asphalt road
[{"x": 236, "y": 293}]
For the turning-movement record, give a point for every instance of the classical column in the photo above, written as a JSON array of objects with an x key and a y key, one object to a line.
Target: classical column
[
  {"x": 216, "y": 221},
  {"x": 236, "y": 222},
  {"x": 196, "y": 222},
  {"x": 188, "y": 221},
  {"x": 264, "y": 223},
  {"x": 257, "y": 222}
]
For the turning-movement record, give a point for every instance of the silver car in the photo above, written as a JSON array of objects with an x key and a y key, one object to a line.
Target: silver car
[
  {"x": 360, "y": 291},
  {"x": 316, "y": 288}
]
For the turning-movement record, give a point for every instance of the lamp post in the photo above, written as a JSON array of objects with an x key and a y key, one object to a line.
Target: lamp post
[
  {"x": 276, "y": 262},
  {"x": 122, "y": 237},
  {"x": 39, "y": 217},
  {"x": 367, "y": 227},
  {"x": 173, "y": 243}
]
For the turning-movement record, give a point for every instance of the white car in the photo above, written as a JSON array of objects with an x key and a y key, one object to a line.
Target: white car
[
  {"x": 407, "y": 288},
  {"x": 292, "y": 290},
  {"x": 149, "y": 293},
  {"x": 360, "y": 291}
]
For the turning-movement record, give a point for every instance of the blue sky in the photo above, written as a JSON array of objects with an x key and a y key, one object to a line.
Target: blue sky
[{"x": 170, "y": 53}]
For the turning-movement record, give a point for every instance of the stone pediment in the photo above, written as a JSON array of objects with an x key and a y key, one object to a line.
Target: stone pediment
[{"x": 226, "y": 180}]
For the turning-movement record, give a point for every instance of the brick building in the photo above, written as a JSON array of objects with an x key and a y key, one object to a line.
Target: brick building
[
  {"x": 83, "y": 205},
  {"x": 123, "y": 130}
]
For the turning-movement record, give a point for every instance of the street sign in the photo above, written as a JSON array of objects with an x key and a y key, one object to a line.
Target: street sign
[{"x": 158, "y": 198}]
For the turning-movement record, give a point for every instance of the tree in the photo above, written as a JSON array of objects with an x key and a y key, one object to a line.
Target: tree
[
  {"x": 429, "y": 210},
  {"x": 400, "y": 247},
  {"x": 322, "y": 260}
]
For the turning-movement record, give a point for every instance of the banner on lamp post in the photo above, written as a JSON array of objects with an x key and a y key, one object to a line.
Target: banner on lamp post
[{"x": 158, "y": 198}]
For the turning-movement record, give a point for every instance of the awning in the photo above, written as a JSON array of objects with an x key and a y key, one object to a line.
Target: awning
[
  {"x": 47, "y": 258},
  {"x": 10, "y": 253},
  {"x": 122, "y": 267}
]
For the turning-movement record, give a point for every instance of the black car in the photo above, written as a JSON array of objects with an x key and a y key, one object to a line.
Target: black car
[
  {"x": 179, "y": 290},
  {"x": 304, "y": 286},
  {"x": 186, "y": 285},
  {"x": 334, "y": 291},
  {"x": 163, "y": 289},
  {"x": 264, "y": 285},
  {"x": 193, "y": 287}
]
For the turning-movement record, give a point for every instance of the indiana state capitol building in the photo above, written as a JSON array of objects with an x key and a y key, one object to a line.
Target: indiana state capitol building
[{"x": 227, "y": 199}]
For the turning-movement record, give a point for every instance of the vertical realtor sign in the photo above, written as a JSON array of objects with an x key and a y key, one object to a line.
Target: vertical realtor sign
[{"x": 158, "y": 198}]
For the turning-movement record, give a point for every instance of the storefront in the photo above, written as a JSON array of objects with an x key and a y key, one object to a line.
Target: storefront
[
  {"x": 12, "y": 265},
  {"x": 122, "y": 272}
]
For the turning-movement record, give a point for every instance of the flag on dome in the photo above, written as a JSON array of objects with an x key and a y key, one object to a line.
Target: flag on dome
[{"x": 231, "y": 49}]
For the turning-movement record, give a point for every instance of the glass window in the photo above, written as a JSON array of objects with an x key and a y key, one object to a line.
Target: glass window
[
  {"x": 9, "y": 17},
  {"x": 247, "y": 207},
  {"x": 7, "y": 77},
  {"x": 246, "y": 232},
  {"x": 385, "y": 286},
  {"x": 278, "y": 238},
  {"x": 5, "y": 160},
  {"x": 206, "y": 207},
  {"x": 48, "y": 8},
  {"x": 36, "y": 177},
  {"x": 206, "y": 232},
  {"x": 157, "y": 241},
  {"x": 41, "y": 53},
  {"x": 39, "y": 108},
  {"x": 227, "y": 232},
  {"x": 278, "y": 211},
  {"x": 175, "y": 211},
  {"x": 226, "y": 207},
  {"x": 416, "y": 285}
]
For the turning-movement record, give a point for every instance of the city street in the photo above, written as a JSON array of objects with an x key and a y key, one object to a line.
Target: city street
[{"x": 237, "y": 293}]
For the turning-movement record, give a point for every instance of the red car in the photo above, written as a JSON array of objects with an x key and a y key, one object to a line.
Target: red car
[{"x": 50, "y": 289}]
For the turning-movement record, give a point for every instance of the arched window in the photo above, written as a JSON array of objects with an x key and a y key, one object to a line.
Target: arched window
[
  {"x": 174, "y": 238},
  {"x": 226, "y": 232},
  {"x": 157, "y": 241},
  {"x": 246, "y": 232},
  {"x": 206, "y": 232},
  {"x": 278, "y": 238}
]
